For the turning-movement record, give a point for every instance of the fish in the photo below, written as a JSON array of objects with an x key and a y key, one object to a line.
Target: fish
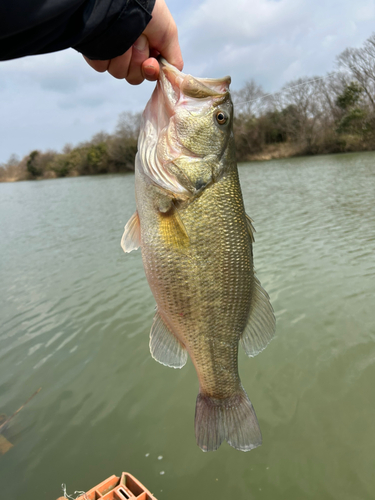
[{"x": 196, "y": 242}]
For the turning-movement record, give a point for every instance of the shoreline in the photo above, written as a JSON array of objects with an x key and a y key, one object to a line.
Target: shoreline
[
  {"x": 271, "y": 152},
  {"x": 276, "y": 152},
  {"x": 286, "y": 150}
]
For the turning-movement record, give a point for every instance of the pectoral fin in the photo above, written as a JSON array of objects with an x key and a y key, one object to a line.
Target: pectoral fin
[
  {"x": 173, "y": 230},
  {"x": 260, "y": 326},
  {"x": 164, "y": 346},
  {"x": 131, "y": 239}
]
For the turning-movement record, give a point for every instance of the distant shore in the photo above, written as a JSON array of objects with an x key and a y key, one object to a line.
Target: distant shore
[
  {"x": 269, "y": 152},
  {"x": 308, "y": 116},
  {"x": 287, "y": 150},
  {"x": 275, "y": 152}
]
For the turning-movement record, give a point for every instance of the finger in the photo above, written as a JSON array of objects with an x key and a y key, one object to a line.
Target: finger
[
  {"x": 100, "y": 66},
  {"x": 162, "y": 34},
  {"x": 140, "y": 54},
  {"x": 119, "y": 66},
  {"x": 169, "y": 48},
  {"x": 150, "y": 69}
]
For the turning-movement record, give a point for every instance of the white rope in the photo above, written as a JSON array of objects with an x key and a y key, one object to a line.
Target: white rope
[{"x": 76, "y": 493}]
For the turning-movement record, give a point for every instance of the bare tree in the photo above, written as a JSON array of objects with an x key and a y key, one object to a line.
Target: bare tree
[
  {"x": 122, "y": 146},
  {"x": 249, "y": 100},
  {"x": 9, "y": 169},
  {"x": 302, "y": 104},
  {"x": 360, "y": 63}
]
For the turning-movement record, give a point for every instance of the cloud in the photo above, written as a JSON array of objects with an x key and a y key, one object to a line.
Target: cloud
[
  {"x": 50, "y": 100},
  {"x": 244, "y": 21},
  {"x": 272, "y": 41}
]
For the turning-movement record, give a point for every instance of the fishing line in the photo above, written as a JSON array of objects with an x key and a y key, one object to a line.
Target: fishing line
[{"x": 283, "y": 90}]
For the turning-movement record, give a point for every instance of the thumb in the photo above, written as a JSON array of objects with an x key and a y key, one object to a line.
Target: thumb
[{"x": 162, "y": 35}]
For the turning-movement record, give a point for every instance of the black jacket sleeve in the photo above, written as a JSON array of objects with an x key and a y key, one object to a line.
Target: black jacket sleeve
[{"x": 100, "y": 29}]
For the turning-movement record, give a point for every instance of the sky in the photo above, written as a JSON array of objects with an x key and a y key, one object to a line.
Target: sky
[{"x": 51, "y": 100}]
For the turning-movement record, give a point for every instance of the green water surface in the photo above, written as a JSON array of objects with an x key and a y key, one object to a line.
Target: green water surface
[{"x": 76, "y": 313}]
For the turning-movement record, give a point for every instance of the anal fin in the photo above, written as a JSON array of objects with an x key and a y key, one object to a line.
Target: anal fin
[
  {"x": 131, "y": 239},
  {"x": 164, "y": 346},
  {"x": 260, "y": 327}
]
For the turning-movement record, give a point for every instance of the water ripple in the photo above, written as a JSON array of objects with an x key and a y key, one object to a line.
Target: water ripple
[{"x": 76, "y": 314}]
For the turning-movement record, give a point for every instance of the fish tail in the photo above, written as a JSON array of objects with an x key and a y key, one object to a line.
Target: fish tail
[{"x": 232, "y": 420}]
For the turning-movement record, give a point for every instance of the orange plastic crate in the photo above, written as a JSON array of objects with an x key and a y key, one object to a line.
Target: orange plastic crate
[{"x": 118, "y": 488}]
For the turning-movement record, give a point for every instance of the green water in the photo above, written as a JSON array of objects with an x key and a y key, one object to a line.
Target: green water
[{"x": 76, "y": 313}]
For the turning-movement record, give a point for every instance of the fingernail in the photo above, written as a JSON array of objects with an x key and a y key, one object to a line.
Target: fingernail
[
  {"x": 149, "y": 70},
  {"x": 141, "y": 43}
]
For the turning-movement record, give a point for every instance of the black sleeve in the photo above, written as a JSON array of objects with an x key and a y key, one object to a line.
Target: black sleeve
[{"x": 100, "y": 29}]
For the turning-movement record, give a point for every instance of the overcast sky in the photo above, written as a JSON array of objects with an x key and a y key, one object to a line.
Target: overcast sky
[{"x": 50, "y": 100}]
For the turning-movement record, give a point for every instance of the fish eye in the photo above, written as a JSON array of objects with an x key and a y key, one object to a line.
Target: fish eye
[{"x": 221, "y": 117}]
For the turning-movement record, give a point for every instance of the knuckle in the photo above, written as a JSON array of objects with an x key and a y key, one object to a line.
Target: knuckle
[
  {"x": 117, "y": 73},
  {"x": 99, "y": 66},
  {"x": 134, "y": 79}
]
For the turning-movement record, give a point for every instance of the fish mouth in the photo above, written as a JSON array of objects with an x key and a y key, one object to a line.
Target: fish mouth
[{"x": 175, "y": 88}]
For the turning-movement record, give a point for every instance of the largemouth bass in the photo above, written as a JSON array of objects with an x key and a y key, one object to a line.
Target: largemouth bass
[{"x": 196, "y": 242}]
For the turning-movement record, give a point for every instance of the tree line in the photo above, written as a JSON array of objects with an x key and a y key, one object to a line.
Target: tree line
[
  {"x": 311, "y": 115},
  {"x": 104, "y": 153}
]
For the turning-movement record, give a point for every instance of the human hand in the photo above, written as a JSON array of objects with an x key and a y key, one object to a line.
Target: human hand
[{"x": 136, "y": 65}]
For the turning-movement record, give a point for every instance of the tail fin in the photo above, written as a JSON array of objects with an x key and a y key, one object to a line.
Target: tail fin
[{"x": 232, "y": 419}]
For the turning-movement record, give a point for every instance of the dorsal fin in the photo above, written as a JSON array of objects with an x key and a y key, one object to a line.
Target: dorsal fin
[{"x": 250, "y": 228}]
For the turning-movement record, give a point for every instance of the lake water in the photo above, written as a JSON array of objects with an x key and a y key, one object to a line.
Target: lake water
[{"x": 76, "y": 314}]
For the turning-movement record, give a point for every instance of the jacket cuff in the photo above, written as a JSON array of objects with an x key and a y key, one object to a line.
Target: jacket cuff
[{"x": 120, "y": 28}]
